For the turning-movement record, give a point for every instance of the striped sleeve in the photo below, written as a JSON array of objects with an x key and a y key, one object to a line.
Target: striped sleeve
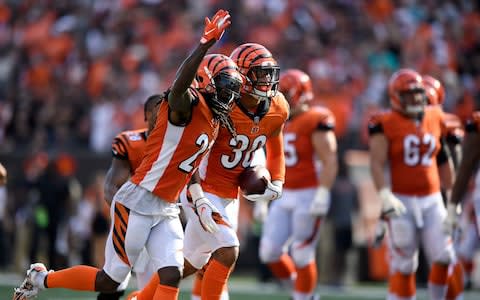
[{"x": 120, "y": 147}]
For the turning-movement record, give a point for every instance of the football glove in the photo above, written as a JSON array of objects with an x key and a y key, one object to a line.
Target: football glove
[
  {"x": 204, "y": 208},
  {"x": 451, "y": 222},
  {"x": 272, "y": 191},
  {"x": 391, "y": 205},
  {"x": 321, "y": 202},
  {"x": 215, "y": 28}
]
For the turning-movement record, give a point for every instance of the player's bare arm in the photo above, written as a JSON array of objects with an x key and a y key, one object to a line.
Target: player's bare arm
[
  {"x": 378, "y": 159},
  {"x": 325, "y": 145},
  {"x": 391, "y": 206},
  {"x": 470, "y": 158},
  {"x": 179, "y": 99},
  {"x": 3, "y": 175},
  {"x": 116, "y": 176},
  {"x": 445, "y": 167}
]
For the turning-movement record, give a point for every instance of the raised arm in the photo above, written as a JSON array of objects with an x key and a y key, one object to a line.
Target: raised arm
[{"x": 179, "y": 99}]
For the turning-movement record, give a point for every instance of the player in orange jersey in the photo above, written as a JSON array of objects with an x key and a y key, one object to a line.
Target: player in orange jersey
[
  {"x": 291, "y": 229},
  {"x": 469, "y": 164},
  {"x": 258, "y": 116},
  {"x": 408, "y": 137},
  {"x": 127, "y": 152},
  {"x": 144, "y": 210},
  {"x": 435, "y": 96}
]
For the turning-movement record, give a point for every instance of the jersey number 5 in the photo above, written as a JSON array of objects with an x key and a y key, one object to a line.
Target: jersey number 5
[
  {"x": 412, "y": 155},
  {"x": 291, "y": 156}
]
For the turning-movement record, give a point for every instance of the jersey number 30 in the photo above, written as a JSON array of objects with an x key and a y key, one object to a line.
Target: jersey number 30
[
  {"x": 243, "y": 151},
  {"x": 412, "y": 155}
]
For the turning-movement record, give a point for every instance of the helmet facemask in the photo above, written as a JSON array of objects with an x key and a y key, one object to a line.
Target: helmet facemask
[
  {"x": 413, "y": 101},
  {"x": 225, "y": 90},
  {"x": 262, "y": 81}
]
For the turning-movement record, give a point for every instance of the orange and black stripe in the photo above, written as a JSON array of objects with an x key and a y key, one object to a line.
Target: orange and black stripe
[
  {"x": 120, "y": 224},
  {"x": 219, "y": 63},
  {"x": 120, "y": 147},
  {"x": 247, "y": 54}
]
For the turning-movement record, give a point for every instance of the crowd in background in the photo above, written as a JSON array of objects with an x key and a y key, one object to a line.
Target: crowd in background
[{"x": 75, "y": 73}]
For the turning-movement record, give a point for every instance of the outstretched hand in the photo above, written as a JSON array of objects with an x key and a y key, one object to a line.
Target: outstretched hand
[{"x": 215, "y": 28}]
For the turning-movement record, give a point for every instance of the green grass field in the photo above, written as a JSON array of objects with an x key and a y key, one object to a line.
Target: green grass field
[{"x": 241, "y": 288}]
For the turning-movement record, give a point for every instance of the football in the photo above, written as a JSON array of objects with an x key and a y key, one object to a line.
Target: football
[{"x": 251, "y": 180}]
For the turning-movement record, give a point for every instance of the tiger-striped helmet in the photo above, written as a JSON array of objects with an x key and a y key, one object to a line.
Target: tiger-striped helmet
[
  {"x": 218, "y": 78},
  {"x": 260, "y": 70}
]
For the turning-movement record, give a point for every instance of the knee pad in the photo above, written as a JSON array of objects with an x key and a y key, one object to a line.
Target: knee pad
[
  {"x": 303, "y": 254},
  {"x": 269, "y": 252}
]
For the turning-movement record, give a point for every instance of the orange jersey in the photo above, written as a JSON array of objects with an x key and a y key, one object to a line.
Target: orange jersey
[
  {"x": 173, "y": 153},
  {"x": 413, "y": 147},
  {"x": 129, "y": 145},
  {"x": 299, "y": 152},
  {"x": 230, "y": 156}
]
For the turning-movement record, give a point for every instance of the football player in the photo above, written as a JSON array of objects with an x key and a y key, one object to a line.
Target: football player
[
  {"x": 291, "y": 229},
  {"x": 127, "y": 152},
  {"x": 469, "y": 163},
  {"x": 435, "y": 96},
  {"x": 144, "y": 210},
  {"x": 259, "y": 116},
  {"x": 408, "y": 138}
]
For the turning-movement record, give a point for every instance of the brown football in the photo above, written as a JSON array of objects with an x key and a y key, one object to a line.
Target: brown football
[{"x": 251, "y": 180}]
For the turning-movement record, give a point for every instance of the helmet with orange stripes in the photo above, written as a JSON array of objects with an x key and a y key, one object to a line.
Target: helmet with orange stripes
[
  {"x": 296, "y": 86},
  {"x": 406, "y": 92},
  {"x": 260, "y": 70},
  {"x": 219, "y": 80},
  {"x": 434, "y": 90}
]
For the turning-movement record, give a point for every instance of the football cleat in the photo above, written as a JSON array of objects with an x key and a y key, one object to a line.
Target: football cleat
[{"x": 32, "y": 282}]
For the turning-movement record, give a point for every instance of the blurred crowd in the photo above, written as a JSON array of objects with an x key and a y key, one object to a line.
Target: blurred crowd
[{"x": 74, "y": 73}]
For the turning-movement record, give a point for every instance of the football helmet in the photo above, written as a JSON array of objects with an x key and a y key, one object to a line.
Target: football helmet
[
  {"x": 259, "y": 69},
  {"x": 218, "y": 78},
  {"x": 296, "y": 85},
  {"x": 434, "y": 90},
  {"x": 407, "y": 92}
]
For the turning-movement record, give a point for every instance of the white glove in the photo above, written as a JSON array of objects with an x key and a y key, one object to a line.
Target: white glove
[
  {"x": 205, "y": 211},
  {"x": 260, "y": 210},
  {"x": 204, "y": 208},
  {"x": 452, "y": 220},
  {"x": 321, "y": 202},
  {"x": 272, "y": 191},
  {"x": 391, "y": 205}
]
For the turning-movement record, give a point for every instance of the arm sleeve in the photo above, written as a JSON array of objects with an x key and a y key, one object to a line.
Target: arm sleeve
[
  {"x": 120, "y": 147},
  {"x": 276, "y": 157}
]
